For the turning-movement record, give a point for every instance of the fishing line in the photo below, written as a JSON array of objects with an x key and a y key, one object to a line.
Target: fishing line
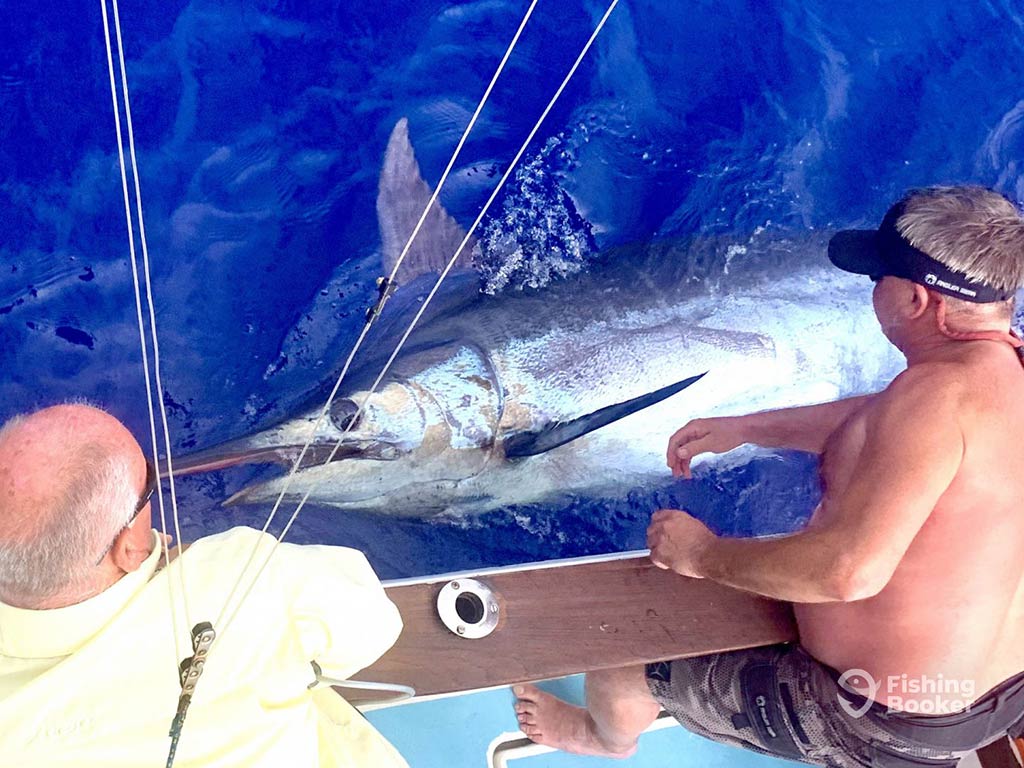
[
  {"x": 152, "y": 310},
  {"x": 189, "y": 670},
  {"x": 388, "y": 281},
  {"x": 430, "y": 296},
  {"x": 175, "y": 621}
]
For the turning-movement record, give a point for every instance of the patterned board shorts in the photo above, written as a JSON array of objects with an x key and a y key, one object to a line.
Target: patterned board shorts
[{"x": 780, "y": 701}]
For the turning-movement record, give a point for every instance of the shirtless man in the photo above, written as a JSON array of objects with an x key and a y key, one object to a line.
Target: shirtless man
[{"x": 908, "y": 583}]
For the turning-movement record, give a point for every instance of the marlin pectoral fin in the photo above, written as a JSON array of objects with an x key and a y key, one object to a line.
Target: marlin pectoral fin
[{"x": 561, "y": 432}]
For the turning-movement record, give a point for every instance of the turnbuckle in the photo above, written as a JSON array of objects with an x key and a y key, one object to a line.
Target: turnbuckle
[{"x": 189, "y": 672}]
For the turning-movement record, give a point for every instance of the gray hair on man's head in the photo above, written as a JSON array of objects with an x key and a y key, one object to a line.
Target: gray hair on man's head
[
  {"x": 970, "y": 229},
  {"x": 10, "y": 425},
  {"x": 93, "y": 498}
]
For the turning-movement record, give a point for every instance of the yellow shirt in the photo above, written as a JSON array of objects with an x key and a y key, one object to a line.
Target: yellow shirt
[{"x": 96, "y": 684}]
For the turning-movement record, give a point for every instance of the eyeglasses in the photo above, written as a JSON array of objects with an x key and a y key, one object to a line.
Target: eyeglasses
[{"x": 152, "y": 481}]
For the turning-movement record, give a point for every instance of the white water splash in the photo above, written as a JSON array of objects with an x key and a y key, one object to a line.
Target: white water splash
[{"x": 538, "y": 236}]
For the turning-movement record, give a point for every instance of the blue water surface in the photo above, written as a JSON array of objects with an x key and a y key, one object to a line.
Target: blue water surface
[{"x": 259, "y": 129}]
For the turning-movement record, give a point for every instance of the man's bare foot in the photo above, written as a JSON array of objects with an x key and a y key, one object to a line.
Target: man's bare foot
[{"x": 552, "y": 722}]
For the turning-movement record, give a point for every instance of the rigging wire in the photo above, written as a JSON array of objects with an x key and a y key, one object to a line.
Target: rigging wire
[
  {"x": 188, "y": 669},
  {"x": 175, "y": 620},
  {"x": 224, "y": 623},
  {"x": 388, "y": 281},
  {"x": 152, "y": 313}
]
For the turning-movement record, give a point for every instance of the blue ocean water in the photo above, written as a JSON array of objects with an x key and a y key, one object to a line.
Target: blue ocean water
[{"x": 260, "y": 129}]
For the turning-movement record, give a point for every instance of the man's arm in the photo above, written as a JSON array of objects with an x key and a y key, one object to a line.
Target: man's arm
[
  {"x": 805, "y": 428},
  {"x": 913, "y": 449}
]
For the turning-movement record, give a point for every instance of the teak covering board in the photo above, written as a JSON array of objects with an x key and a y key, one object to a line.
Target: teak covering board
[{"x": 567, "y": 619}]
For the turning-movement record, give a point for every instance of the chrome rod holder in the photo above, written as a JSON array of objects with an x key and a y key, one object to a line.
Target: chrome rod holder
[{"x": 468, "y": 608}]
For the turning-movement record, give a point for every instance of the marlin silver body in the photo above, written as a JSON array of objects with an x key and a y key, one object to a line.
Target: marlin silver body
[{"x": 770, "y": 322}]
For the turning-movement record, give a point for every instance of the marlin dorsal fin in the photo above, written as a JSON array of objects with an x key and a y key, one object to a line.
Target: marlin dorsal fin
[
  {"x": 401, "y": 197},
  {"x": 561, "y": 432}
]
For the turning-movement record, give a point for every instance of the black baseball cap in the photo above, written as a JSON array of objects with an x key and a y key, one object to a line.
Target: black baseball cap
[{"x": 884, "y": 251}]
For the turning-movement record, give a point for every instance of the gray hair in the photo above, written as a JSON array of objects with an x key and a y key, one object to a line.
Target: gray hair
[
  {"x": 969, "y": 229},
  {"x": 94, "y": 497},
  {"x": 10, "y": 425}
]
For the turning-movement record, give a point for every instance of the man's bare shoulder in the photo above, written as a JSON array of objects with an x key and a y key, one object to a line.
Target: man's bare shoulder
[
  {"x": 931, "y": 385},
  {"x": 982, "y": 375}
]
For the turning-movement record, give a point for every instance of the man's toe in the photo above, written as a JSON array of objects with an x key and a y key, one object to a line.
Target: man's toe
[{"x": 528, "y": 692}]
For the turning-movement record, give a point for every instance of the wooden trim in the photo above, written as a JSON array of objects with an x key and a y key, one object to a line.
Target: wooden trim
[{"x": 568, "y": 619}]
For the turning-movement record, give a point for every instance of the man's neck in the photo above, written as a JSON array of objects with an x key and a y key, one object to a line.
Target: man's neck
[
  {"x": 938, "y": 347},
  {"x": 78, "y": 593}
]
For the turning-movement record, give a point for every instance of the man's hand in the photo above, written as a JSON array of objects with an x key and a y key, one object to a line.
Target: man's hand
[
  {"x": 716, "y": 435},
  {"x": 678, "y": 541}
]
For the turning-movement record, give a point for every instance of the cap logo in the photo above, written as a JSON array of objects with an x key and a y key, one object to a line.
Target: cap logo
[{"x": 951, "y": 287}]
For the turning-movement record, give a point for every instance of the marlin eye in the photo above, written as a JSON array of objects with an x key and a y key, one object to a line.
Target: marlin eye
[{"x": 343, "y": 411}]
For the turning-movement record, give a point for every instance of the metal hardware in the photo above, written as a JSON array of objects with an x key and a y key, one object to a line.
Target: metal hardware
[
  {"x": 190, "y": 670},
  {"x": 385, "y": 288},
  {"x": 469, "y": 608}
]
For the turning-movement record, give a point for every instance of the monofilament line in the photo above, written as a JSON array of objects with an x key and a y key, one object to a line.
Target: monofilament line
[
  {"x": 433, "y": 292},
  {"x": 394, "y": 271},
  {"x": 175, "y": 625},
  {"x": 152, "y": 314}
]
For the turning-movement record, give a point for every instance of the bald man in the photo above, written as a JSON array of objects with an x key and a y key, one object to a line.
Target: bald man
[
  {"x": 99, "y": 476},
  {"x": 92, "y": 627}
]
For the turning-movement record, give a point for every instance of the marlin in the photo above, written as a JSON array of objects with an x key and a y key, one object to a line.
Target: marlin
[{"x": 570, "y": 390}]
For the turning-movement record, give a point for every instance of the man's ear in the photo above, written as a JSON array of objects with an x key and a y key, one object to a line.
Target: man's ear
[
  {"x": 131, "y": 547},
  {"x": 920, "y": 300}
]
